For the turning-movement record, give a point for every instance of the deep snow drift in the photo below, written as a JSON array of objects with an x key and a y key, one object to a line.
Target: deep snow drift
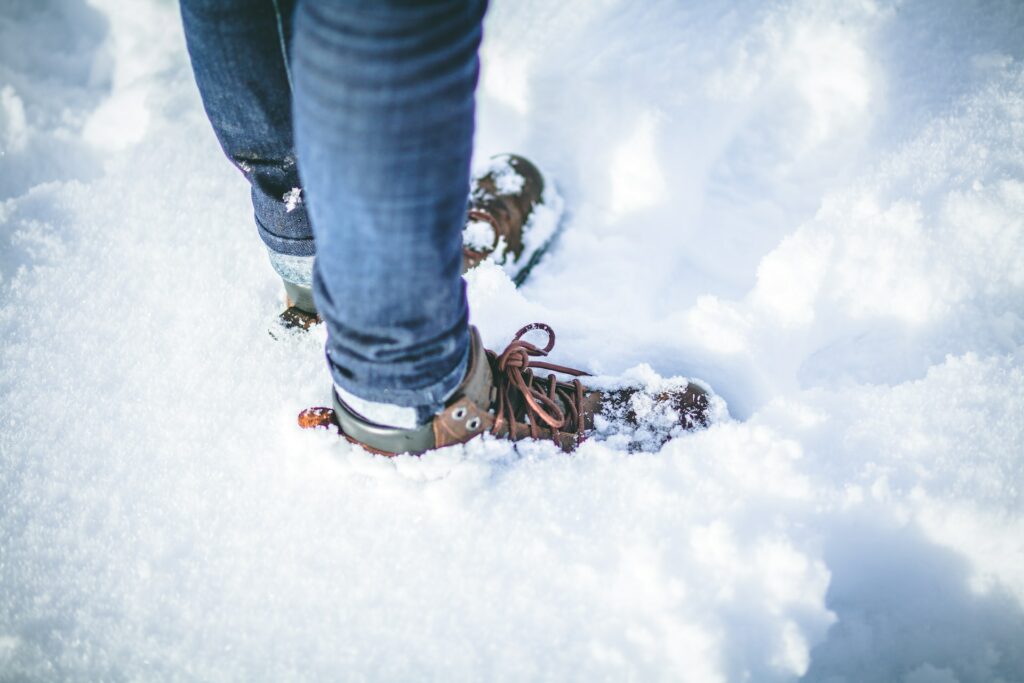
[{"x": 816, "y": 207}]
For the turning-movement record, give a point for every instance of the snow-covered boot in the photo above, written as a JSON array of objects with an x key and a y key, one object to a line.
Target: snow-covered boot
[
  {"x": 502, "y": 394},
  {"x": 514, "y": 212}
]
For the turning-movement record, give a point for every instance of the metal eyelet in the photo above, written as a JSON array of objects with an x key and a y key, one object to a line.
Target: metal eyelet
[
  {"x": 473, "y": 423},
  {"x": 459, "y": 413}
]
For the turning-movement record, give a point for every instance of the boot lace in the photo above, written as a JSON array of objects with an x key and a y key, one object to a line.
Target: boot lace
[{"x": 524, "y": 398}]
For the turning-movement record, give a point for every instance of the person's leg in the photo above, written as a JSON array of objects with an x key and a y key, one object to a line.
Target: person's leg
[
  {"x": 384, "y": 115},
  {"x": 238, "y": 52}
]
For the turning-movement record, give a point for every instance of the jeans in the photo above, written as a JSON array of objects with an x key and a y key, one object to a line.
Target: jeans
[{"x": 374, "y": 112}]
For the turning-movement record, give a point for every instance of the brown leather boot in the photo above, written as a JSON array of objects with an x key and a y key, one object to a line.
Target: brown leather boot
[
  {"x": 503, "y": 395},
  {"x": 513, "y": 216}
]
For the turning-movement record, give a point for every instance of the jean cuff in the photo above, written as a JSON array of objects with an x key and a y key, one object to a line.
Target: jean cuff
[
  {"x": 283, "y": 223},
  {"x": 428, "y": 401}
]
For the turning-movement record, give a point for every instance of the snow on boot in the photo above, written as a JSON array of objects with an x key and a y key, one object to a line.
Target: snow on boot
[
  {"x": 514, "y": 213},
  {"x": 503, "y": 394}
]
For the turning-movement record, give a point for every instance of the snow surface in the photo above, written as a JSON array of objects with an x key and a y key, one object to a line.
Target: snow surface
[{"x": 815, "y": 206}]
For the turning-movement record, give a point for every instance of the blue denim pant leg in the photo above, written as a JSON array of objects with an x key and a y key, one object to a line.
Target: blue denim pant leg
[
  {"x": 384, "y": 113},
  {"x": 238, "y": 53}
]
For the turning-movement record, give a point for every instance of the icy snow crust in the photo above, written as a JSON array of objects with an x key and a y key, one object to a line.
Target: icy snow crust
[{"x": 815, "y": 207}]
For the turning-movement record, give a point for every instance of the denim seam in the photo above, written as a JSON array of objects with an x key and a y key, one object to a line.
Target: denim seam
[
  {"x": 292, "y": 246},
  {"x": 283, "y": 45}
]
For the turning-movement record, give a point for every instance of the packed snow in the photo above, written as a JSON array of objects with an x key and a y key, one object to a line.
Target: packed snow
[
  {"x": 815, "y": 206},
  {"x": 478, "y": 235}
]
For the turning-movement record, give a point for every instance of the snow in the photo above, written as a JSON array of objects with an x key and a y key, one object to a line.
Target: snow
[
  {"x": 292, "y": 198},
  {"x": 541, "y": 227},
  {"x": 478, "y": 235},
  {"x": 815, "y": 207},
  {"x": 506, "y": 179}
]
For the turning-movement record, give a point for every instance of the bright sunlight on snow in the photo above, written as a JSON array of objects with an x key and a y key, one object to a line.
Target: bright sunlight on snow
[{"x": 814, "y": 206}]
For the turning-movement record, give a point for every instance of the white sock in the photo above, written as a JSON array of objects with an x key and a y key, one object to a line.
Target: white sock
[{"x": 386, "y": 414}]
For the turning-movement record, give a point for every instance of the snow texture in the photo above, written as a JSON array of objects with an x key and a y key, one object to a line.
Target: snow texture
[
  {"x": 506, "y": 179},
  {"x": 816, "y": 206},
  {"x": 478, "y": 235},
  {"x": 292, "y": 198}
]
